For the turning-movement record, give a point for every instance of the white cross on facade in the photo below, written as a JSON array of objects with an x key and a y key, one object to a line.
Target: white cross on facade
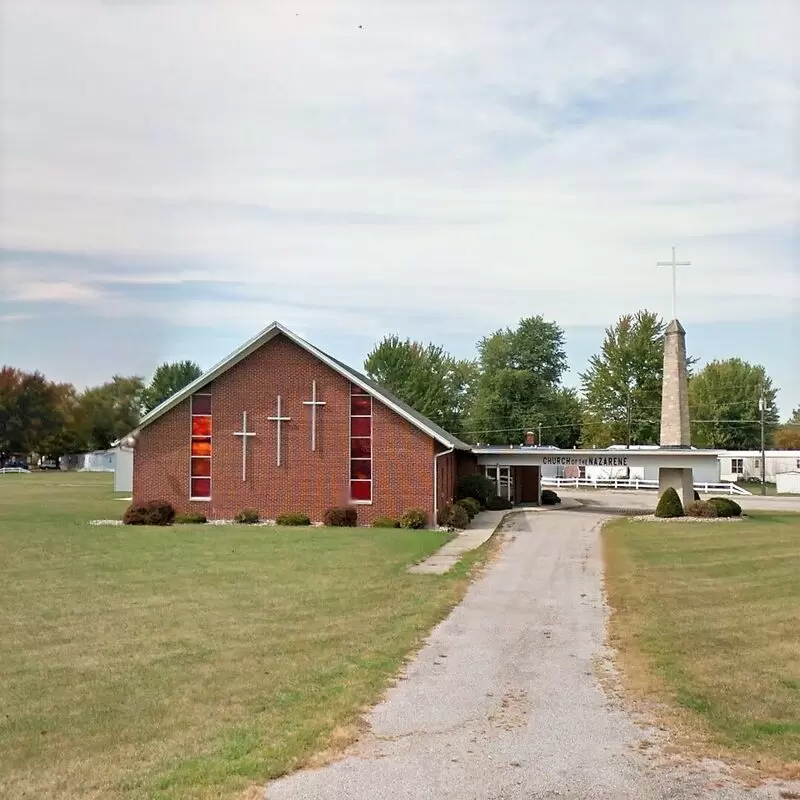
[
  {"x": 313, "y": 402},
  {"x": 279, "y": 420},
  {"x": 244, "y": 433},
  {"x": 674, "y": 264}
]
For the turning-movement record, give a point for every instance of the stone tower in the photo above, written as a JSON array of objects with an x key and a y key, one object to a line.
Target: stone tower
[{"x": 675, "y": 427}]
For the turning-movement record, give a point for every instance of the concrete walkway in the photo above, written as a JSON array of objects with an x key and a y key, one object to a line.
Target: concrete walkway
[
  {"x": 480, "y": 530},
  {"x": 504, "y": 700}
]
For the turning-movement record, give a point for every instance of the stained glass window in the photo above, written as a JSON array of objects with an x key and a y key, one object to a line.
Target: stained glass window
[
  {"x": 360, "y": 469},
  {"x": 201, "y": 447},
  {"x": 200, "y": 462},
  {"x": 361, "y": 406},
  {"x": 360, "y": 445}
]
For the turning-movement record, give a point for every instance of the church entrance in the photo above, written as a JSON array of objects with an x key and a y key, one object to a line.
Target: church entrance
[
  {"x": 527, "y": 481},
  {"x": 517, "y": 484}
]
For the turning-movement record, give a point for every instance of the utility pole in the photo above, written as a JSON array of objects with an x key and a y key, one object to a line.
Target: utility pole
[
  {"x": 540, "y": 434},
  {"x": 762, "y": 407},
  {"x": 629, "y": 418}
]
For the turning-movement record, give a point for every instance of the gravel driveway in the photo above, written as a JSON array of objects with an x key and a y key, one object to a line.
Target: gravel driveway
[{"x": 504, "y": 702}]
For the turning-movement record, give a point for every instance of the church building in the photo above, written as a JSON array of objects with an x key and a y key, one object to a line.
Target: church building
[{"x": 280, "y": 426}]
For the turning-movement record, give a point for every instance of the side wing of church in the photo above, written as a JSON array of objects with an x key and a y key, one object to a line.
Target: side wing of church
[{"x": 280, "y": 426}]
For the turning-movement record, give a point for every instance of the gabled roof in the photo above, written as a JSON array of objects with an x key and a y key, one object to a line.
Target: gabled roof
[{"x": 368, "y": 385}]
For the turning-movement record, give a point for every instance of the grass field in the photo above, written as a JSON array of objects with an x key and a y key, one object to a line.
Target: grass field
[
  {"x": 192, "y": 661},
  {"x": 707, "y": 618}
]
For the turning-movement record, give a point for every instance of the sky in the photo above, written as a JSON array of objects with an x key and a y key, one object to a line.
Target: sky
[{"x": 174, "y": 176}]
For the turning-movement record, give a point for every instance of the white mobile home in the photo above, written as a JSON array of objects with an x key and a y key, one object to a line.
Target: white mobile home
[{"x": 742, "y": 465}]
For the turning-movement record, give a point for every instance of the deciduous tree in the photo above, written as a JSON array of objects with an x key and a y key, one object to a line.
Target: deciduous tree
[
  {"x": 425, "y": 376},
  {"x": 624, "y": 379},
  {"x": 787, "y": 437},
  {"x": 724, "y": 403},
  {"x": 30, "y": 411},
  {"x": 519, "y": 386},
  {"x": 110, "y": 411}
]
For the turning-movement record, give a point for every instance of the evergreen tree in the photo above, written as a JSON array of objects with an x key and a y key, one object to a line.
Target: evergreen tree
[{"x": 168, "y": 379}]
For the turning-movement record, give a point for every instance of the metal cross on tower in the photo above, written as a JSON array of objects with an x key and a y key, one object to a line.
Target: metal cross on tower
[
  {"x": 279, "y": 420},
  {"x": 313, "y": 402},
  {"x": 244, "y": 433},
  {"x": 674, "y": 264}
]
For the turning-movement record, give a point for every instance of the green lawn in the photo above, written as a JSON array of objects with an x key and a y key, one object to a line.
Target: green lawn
[
  {"x": 707, "y": 617},
  {"x": 192, "y": 661}
]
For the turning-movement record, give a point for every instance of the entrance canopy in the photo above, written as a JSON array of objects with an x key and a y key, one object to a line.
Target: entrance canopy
[
  {"x": 550, "y": 456},
  {"x": 517, "y": 471}
]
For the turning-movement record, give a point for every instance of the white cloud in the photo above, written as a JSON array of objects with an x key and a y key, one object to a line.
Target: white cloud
[
  {"x": 8, "y": 319},
  {"x": 467, "y": 161}
]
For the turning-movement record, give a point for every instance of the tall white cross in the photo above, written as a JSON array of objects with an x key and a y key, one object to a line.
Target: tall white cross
[
  {"x": 313, "y": 402},
  {"x": 674, "y": 264},
  {"x": 244, "y": 433},
  {"x": 279, "y": 420}
]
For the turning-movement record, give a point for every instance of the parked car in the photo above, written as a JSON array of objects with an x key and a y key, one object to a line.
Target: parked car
[
  {"x": 15, "y": 463},
  {"x": 48, "y": 463}
]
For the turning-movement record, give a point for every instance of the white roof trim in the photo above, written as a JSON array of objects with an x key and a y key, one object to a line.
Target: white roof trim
[
  {"x": 669, "y": 452},
  {"x": 250, "y": 347}
]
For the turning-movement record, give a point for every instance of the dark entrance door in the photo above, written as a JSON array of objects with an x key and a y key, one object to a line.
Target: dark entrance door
[{"x": 526, "y": 485}]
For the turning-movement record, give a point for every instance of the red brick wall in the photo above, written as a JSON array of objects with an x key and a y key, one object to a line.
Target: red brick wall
[{"x": 306, "y": 481}]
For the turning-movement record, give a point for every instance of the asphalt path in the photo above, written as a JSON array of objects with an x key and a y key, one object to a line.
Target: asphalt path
[{"x": 505, "y": 700}]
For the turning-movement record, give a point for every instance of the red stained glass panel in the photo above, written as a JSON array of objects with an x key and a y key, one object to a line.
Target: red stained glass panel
[
  {"x": 356, "y": 389},
  {"x": 201, "y": 426},
  {"x": 360, "y": 426},
  {"x": 361, "y": 490},
  {"x": 201, "y": 487},
  {"x": 361, "y": 405},
  {"x": 360, "y": 469},
  {"x": 201, "y": 467},
  {"x": 360, "y": 448},
  {"x": 201, "y": 404},
  {"x": 201, "y": 447}
]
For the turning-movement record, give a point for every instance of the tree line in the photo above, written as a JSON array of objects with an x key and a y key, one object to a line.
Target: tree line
[
  {"x": 512, "y": 386},
  {"x": 51, "y": 419}
]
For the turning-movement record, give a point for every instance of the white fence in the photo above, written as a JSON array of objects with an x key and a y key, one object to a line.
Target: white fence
[
  {"x": 635, "y": 484},
  {"x": 18, "y": 470}
]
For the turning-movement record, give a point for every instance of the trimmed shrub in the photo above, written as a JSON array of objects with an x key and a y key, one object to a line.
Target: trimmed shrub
[
  {"x": 669, "y": 505},
  {"x": 477, "y": 486},
  {"x": 414, "y": 518},
  {"x": 247, "y": 516},
  {"x": 453, "y": 516},
  {"x": 498, "y": 503},
  {"x": 154, "y": 512},
  {"x": 726, "y": 507},
  {"x": 341, "y": 517},
  {"x": 385, "y": 522},
  {"x": 550, "y": 498},
  {"x": 701, "y": 508},
  {"x": 134, "y": 515},
  {"x": 470, "y": 505},
  {"x": 190, "y": 518},
  {"x": 293, "y": 519}
]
